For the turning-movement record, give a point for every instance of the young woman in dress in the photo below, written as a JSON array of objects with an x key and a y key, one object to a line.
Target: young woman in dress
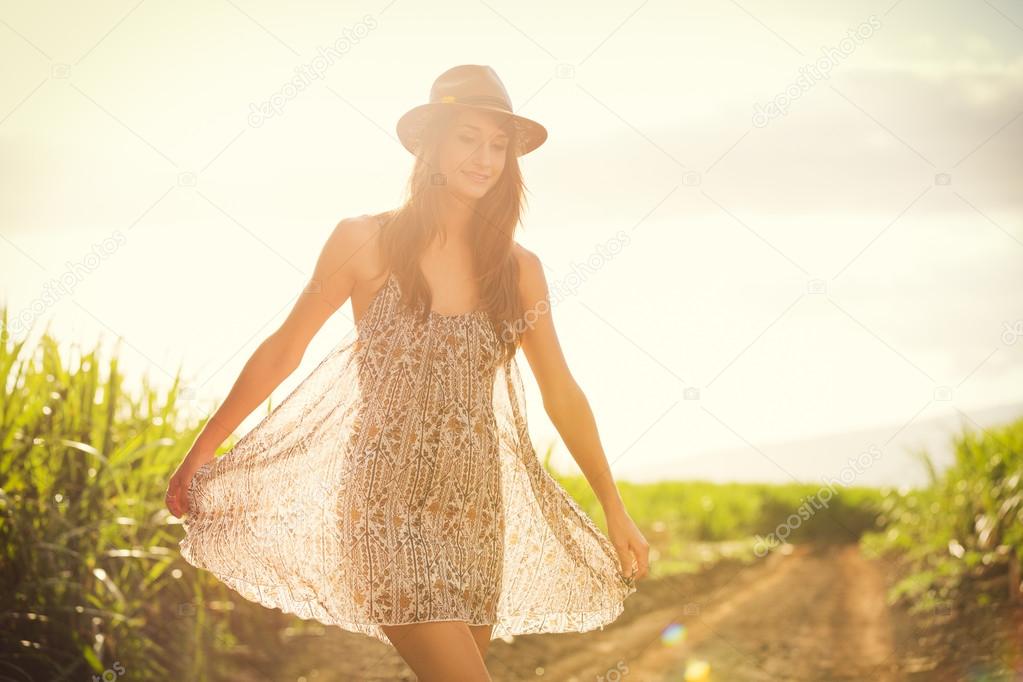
[{"x": 396, "y": 492}]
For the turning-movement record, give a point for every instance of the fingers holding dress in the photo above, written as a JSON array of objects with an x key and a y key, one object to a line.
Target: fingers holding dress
[
  {"x": 632, "y": 548},
  {"x": 176, "y": 497}
]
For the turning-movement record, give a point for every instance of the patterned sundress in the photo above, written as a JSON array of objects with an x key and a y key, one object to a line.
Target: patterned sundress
[{"x": 397, "y": 483}]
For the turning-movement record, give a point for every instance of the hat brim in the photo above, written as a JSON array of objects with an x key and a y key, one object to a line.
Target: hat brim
[{"x": 530, "y": 133}]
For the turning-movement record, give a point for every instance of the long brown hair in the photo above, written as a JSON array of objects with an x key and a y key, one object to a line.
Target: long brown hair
[{"x": 408, "y": 230}]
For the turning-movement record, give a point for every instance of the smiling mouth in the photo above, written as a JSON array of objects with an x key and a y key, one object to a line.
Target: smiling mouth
[{"x": 476, "y": 177}]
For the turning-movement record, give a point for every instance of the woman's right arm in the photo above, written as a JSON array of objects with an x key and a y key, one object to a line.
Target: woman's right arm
[{"x": 338, "y": 268}]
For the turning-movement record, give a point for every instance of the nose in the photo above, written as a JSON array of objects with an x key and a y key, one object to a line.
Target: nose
[{"x": 482, "y": 155}]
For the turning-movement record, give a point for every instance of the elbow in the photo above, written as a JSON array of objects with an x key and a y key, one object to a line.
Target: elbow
[
  {"x": 563, "y": 400},
  {"x": 284, "y": 354}
]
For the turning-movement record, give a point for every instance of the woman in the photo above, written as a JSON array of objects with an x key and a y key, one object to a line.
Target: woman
[{"x": 395, "y": 492}]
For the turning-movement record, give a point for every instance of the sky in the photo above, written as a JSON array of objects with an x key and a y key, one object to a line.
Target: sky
[{"x": 764, "y": 225}]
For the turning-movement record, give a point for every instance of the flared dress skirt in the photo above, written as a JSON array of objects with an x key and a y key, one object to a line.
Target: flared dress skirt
[{"x": 397, "y": 484}]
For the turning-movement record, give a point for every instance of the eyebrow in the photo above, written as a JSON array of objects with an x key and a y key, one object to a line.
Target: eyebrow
[{"x": 477, "y": 129}]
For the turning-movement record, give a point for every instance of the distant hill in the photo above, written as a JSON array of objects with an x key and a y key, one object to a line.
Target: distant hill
[{"x": 817, "y": 458}]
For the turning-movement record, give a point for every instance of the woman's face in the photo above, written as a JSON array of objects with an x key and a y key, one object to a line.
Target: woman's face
[{"x": 472, "y": 155}]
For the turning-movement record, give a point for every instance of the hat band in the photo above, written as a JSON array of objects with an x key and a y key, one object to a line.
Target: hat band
[{"x": 485, "y": 100}]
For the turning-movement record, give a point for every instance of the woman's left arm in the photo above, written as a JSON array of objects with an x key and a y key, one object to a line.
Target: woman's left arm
[{"x": 569, "y": 411}]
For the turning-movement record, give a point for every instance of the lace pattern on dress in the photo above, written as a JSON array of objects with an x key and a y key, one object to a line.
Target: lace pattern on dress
[{"x": 397, "y": 483}]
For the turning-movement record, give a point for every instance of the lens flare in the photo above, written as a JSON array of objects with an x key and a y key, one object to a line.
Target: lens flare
[
  {"x": 673, "y": 635},
  {"x": 697, "y": 671}
]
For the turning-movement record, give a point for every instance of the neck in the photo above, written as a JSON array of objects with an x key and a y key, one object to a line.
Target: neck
[{"x": 456, "y": 217}]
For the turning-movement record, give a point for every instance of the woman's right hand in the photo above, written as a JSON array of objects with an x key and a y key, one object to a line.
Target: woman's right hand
[{"x": 176, "y": 498}]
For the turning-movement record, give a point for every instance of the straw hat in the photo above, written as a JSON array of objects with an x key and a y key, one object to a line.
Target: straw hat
[{"x": 469, "y": 86}]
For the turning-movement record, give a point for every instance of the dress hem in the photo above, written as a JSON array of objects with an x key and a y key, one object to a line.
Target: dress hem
[{"x": 512, "y": 625}]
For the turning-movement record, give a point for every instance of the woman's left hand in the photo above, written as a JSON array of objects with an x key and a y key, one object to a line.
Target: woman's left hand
[{"x": 633, "y": 549}]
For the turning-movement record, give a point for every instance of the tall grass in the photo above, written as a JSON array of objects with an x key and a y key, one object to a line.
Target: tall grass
[
  {"x": 92, "y": 582},
  {"x": 968, "y": 523},
  {"x": 682, "y": 519}
]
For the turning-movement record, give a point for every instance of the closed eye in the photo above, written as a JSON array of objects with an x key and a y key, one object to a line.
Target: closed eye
[{"x": 469, "y": 140}]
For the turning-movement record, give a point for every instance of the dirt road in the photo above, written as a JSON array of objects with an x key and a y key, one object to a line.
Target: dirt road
[{"x": 814, "y": 614}]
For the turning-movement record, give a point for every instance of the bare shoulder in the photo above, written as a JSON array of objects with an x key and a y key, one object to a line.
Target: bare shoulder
[
  {"x": 352, "y": 248},
  {"x": 524, "y": 256},
  {"x": 532, "y": 281}
]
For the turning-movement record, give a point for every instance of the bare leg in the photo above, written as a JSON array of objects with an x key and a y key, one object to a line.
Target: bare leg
[
  {"x": 481, "y": 633},
  {"x": 443, "y": 651}
]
